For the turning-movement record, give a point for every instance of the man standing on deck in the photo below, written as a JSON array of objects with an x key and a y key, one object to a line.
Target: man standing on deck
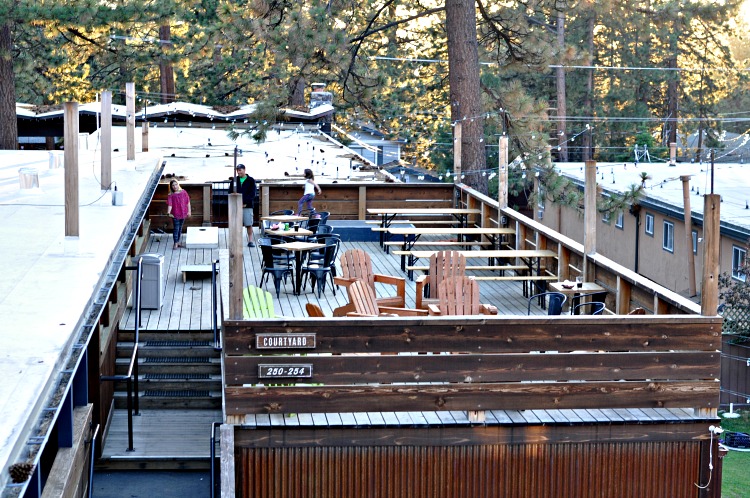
[{"x": 246, "y": 186}]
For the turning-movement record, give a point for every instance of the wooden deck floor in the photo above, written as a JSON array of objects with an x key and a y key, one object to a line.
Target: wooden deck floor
[
  {"x": 160, "y": 437},
  {"x": 187, "y": 306}
]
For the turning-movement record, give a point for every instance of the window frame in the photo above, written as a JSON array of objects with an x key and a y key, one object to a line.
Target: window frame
[
  {"x": 649, "y": 221},
  {"x": 620, "y": 221},
  {"x": 737, "y": 260},
  {"x": 695, "y": 241},
  {"x": 606, "y": 217},
  {"x": 667, "y": 240}
]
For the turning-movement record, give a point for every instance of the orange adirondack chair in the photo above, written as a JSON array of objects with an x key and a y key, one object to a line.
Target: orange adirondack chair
[
  {"x": 356, "y": 264},
  {"x": 443, "y": 264},
  {"x": 363, "y": 301},
  {"x": 460, "y": 296},
  {"x": 313, "y": 310}
]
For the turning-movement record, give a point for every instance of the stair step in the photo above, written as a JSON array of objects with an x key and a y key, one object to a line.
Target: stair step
[
  {"x": 177, "y": 359},
  {"x": 172, "y": 399},
  {"x": 152, "y": 393},
  {"x": 177, "y": 376},
  {"x": 124, "y": 350},
  {"x": 176, "y": 344}
]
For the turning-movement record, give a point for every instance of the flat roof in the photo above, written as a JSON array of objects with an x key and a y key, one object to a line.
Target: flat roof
[
  {"x": 730, "y": 180},
  {"x": 49, "y": 279}
]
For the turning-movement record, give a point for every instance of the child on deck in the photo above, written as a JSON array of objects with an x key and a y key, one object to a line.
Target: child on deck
[{"x": 311, "y": 188}]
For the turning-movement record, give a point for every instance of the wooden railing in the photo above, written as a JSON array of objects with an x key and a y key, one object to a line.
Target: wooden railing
[
  {"x": 627, "y": 289},
  {"x": 393, "y": 364}
]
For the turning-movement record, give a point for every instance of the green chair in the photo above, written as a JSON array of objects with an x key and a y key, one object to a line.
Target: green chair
[{"x": 257, "y": 303}]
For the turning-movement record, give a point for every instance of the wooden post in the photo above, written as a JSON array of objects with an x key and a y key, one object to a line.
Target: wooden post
[
  {"x": 457, "y": 153},
  {"x": 711, "y": 237},
  {"x": 362, "y": 204},
  {"x": 130, "y": 119},
  {"x": 688, "y": 234},
  {"x": 672, "y": 153},
  {"x": 236, "y": 266},
  {"x": 106, "y": 134},
  {"x": 144, "y": 137},
  {"x": 502, "y": 174},
  {"x": 207, "y": 205},
  {"x": 72, "y": 225},
  {"x": 265, "y": 201},
  {"x": 589, "y": 213},
  {"x": 622, "y": 299},
  {"x": 227, "y": 479}
]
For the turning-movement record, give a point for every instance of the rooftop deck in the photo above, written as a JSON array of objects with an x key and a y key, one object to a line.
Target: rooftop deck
[{"x": 187, "y": 305}]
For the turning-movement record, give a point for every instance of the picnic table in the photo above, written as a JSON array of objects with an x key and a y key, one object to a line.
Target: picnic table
[
  {"x": 412, "y": 235},
  {"x": 387, "y": 216},
  {"x": 531, "y": 258}
]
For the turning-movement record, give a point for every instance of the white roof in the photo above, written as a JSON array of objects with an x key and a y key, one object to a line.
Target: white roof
[
  {"x": 730, "y": 180},
  {"x": 48, "y": 279}
]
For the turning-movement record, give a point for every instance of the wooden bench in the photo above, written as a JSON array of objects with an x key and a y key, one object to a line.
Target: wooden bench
[
  {"x": 519, "y": 277},
  {"x": 478, "y": 268},
  {"x": 202, "y": 270},
  {"x": 446, "y": 243},
  {"x": 380, "y": 228}
]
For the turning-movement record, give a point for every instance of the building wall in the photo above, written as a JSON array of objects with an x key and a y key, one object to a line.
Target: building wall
[{"x": 669, "y": 269}]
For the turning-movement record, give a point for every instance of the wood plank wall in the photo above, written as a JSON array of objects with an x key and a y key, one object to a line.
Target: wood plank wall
[
  {"x": 345, "y": 200},
  {"x": 617, "y": 362}
]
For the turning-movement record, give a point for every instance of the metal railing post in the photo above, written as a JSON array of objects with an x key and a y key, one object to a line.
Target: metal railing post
[{"x": 215, "y": 307}]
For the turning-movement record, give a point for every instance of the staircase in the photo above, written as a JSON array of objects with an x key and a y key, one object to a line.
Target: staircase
[
  {"x": 179, "y": 389},
  {"x": 176, "y": 370}
]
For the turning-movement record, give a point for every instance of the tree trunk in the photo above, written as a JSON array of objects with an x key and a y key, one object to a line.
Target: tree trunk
[
  {"x": 8, "y": 120},
  {"x": 588, "y": 102},
  {"x": 166, "y": 71},
  {"x": 562, "y": 107},
  {"x": 672, "y": 86},
  {"x": 297, "y": 91},
  {"x": 465, "y": 91}
]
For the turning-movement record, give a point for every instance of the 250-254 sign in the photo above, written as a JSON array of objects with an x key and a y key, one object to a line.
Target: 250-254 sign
[{"x": 282, "y": 371}]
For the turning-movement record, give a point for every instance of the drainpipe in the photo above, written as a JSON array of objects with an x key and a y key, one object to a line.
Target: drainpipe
[{"x": 635, "y": 210}]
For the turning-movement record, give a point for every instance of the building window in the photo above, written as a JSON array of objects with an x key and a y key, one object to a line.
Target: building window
[
  {"x": 605, "y": 217},
  {"x": 739, "y": 257},
  {"x": 695, "y": 241},
  {"x": 650, "y": 224},
  {"x": 668, "y": 240},
  {"x": 620, "y": 220}
]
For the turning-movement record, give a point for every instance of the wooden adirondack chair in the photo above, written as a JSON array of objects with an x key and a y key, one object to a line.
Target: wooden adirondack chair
[
  {"x": 460, "y": 296},
  {"x": 363, "y": 301},
  {"x": 443, "y": 264},
  {"x": 357, "y": 265},
  {"x": 313, "y": 310},
  {"x": 257, "y": 303}
]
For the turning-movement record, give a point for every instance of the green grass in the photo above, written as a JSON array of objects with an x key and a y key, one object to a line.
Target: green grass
[{"x": 735, "y": 478}]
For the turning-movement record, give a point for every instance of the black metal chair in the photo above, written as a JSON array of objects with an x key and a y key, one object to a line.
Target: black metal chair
[
  {"x": 280, "y": 255},
  {"x": 319, "y": 272},
  {"x": 555, "y": 305},
  {"x": 279, "y": 271},
  {"x": 317, "y": 255},
  {"x": 597, "y": 297},
  {"x": 324, "y": 229},
  {"x": 589, "y": 308}
]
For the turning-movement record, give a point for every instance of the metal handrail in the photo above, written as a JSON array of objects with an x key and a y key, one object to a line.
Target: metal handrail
[
  {"x": 91, "y": 462},
  {"x": 215, "y": 307},
  {"x": 132, "y": 376},
  {"x": 214, "y": 425}
]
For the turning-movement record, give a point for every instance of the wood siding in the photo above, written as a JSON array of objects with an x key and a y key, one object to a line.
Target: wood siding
[{"x": 492, "y": 363}]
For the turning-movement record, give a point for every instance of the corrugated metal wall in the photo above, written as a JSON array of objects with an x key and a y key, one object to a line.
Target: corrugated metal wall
[{"x": 580, "y": 470}]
